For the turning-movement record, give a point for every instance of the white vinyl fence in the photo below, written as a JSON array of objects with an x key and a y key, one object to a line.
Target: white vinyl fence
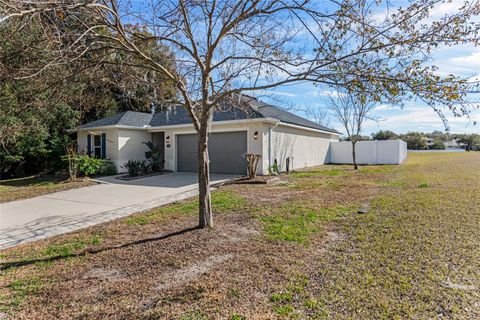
[{"x": 369, "y": 152}]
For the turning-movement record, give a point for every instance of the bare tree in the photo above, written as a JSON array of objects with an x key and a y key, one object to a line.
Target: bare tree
[
  {"x": 351, "y": 111},
  {"x": 317, "y": 114},
  {"x": 223, "y": 48}
]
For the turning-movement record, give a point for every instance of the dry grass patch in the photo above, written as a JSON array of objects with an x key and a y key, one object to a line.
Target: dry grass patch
[
  {"x": 292, "y": 250},
  {"x": 399, "y": 260},
  {"x": 224, "y": 200},
  {"x": 23, "y": 188},
  {"x": 296, "y": 222}
]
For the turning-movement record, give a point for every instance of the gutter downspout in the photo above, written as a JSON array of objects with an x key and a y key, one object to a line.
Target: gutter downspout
[{"x": 270, "y": 144}]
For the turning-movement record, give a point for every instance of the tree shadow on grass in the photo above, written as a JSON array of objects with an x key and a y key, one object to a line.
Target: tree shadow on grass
[
  {"x": 33, "y": 181},
  {"x": 15, "y": 264}
]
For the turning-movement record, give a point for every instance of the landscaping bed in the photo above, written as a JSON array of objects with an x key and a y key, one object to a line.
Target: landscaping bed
[
  {"x": 127, "y": 177},
  {"x": 259, "y": 180},
  {"x": 278, "y": 251}
]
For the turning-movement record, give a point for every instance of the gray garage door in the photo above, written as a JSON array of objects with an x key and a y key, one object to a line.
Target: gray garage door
[{"x": 225, "y": 151}]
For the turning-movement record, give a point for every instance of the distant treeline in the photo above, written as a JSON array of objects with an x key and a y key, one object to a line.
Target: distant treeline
[{"x": 436, "y": 140}]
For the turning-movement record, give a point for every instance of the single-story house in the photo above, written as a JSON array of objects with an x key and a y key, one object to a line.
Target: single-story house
[{"x": 252, "y": 126}]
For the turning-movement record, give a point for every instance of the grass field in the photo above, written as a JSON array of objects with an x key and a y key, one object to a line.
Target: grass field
[
  {"x": 23, "y": 188},
  {"x": 298, "y": 249}
]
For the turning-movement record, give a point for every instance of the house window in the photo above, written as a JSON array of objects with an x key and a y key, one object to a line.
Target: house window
[{"x": 97, "y": 146}]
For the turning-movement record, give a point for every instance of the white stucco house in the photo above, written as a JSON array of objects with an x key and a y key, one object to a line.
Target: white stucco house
[{"x": 251, "y": 127}]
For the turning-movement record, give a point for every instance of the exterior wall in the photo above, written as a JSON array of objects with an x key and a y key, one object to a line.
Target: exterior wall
[
  {"x": 370, "y": 152},
  {"x": 111, "y": 142},
  {"x": 122, "y": 144},
  {"x": 305, "y": 148},
  {"x": 253, "y": 145},
  {"x": 131, "y": 146}
]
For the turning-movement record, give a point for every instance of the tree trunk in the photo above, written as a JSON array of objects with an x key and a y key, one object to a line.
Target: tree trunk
[
  {"x": 204, "y": 195},
  {"x": 354, "y": 156}
]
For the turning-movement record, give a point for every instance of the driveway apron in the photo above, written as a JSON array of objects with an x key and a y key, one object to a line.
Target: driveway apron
[{"x": 60, "y": 212}]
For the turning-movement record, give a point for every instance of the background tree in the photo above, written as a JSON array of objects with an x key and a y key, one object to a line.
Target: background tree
[
  {"x": 439, "y": 135},
  {"x": 351, "y": 111},
  {"x": 415, "y": 140},
  {"x": 317, "y": 115},
  {"x": 224, "y": 48},
  {"x": 438, "y": 144},
  {"x": 471, "y": 141},
  {"x": 358, "y": 138},
  {"x": 33, "y": 115},
  {"x": 384, "y": 135},
  {"x": 36, "y": 112}
]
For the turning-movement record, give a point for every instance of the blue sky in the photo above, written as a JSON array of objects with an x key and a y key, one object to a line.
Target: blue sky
[{"x": 414, "y": 116}]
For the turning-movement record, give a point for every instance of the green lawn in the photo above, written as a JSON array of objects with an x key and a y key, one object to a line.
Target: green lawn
[
  {"x": 22, "y": 188},
  {"x": 294, "y": 250}
]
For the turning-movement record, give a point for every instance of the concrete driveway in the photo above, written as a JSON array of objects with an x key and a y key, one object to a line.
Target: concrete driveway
[{"x": 60, "y": 212}]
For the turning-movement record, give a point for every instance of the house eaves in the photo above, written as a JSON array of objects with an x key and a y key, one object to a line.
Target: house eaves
[
  {"x": 286, "y": 124},
  {"x": 115, "y": 126},
  {"x": 216, "y": 123}
]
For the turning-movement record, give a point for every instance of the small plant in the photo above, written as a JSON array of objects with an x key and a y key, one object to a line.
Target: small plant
[
  {"x": 133, "y": 167},
  {"x": 108, "y": 168},
  {"x": 145, "y": 167},
  {"x": 87, "y": 165},
  {"x": 285, "y": 310},
  {"x": 21, "y": 289},
  {"x": 234, "y": 293},
  {"x": 72, "y": 158},
  {"x": 273, "y": 170},
  {"x": 195, "y": 315},
  {"x": 281, "y": 297},
  {"x": 311, "y": 303},
  {"x": 423, "y": 185}
]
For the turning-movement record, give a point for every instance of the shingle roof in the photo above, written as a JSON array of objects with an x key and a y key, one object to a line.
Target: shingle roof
[
  {"x": 127, "y": 118},
  {"x": 179, "y": 115},
  {"x": 241, "y": 108}
]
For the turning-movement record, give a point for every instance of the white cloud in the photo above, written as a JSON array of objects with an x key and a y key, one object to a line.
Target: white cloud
[
  {"x": 279, "y": 93},
  {"x": 460, "y": 60},
  {"x": 474, "y": 79},
  {"x": 438, "y": 11},
  {"x": 384, "y": 107},
  {"x": 445, "y": 8},
  {"x": 323, "y": 93},
  {"x": 469, "y": 61},
  {"x": 418, "y": 118}
]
